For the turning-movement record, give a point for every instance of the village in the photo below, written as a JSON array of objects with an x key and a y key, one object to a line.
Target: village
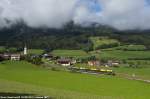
[
  {"x": 74, "y": 49},
  {"x": 89, "y": 65}
]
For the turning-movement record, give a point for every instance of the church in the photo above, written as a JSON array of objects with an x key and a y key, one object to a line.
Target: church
[
  {"x": 25, "y": 50},
  {"x": 17, "y": 57}
]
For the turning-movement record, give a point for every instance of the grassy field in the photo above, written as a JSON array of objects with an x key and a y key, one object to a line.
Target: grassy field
[
  {"x": 70, "y": 53},
  {"x": 132, "y": 47},
  {"x": 120, "y": 55},
  {"x": 99, "y": 41},
  {"x": 140, "y": 72},
  {"x": 129, "y": 48},
  {"x": 22, "y": 77},
  {"x": 35, "y": 51}
]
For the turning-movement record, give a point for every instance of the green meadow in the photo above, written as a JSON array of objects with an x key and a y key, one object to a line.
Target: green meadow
[
  {"x": 122, "y": 55},
  {"x": 23, "y": 77},
  {"x": 70, "y": 53},
  {"x": 100, "y": 41},
  {"x": 35, "y": 51},
  {"x": 143, "y": 73},
  {"x": 132, "y": 47},
  {"x": 128, "y": 48}
]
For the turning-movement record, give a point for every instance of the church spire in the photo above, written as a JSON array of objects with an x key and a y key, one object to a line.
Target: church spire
[{"x": 25, "y": 50}]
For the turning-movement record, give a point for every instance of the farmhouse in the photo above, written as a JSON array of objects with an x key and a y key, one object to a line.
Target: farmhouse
[
  {"x": 64, "y": 62},
  {"x": 48, "y": 56},
  {"x": 113, "y": 63},
  {"x": 6, "y": 56},
  {"x": 73, "y": 61},
  {"x": 15, "y": 57},
  {"x": 94, "y": 63}
]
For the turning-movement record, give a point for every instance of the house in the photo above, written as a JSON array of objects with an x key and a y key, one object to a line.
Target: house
[
  {"x": 73, "y": 61},
  {"x": 113, "y": 63},
  {"x": 48, "y": 56},
  {"x": 64, "y": 62},
  {"x": 15, "y": 57},
  {"x": 6, "y": 56},
  {"x": 94, "y": 63}
]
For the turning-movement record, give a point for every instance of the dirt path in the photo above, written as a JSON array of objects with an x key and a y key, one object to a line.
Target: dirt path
[{"x": 130, "y": 77}]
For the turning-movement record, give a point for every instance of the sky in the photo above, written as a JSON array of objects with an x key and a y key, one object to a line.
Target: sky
[{"x": 120, "y": 14}]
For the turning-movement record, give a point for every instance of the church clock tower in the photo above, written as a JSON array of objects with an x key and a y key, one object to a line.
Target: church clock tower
[{"x": 25, "y": 50}]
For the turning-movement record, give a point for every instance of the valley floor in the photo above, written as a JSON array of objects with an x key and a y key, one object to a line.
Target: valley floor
[{"x": 25, "y": 78}]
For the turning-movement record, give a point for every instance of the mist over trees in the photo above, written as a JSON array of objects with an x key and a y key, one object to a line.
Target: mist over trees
[{"x": 69, "y": 37}]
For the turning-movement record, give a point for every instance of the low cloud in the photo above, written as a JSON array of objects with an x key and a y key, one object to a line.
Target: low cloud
[{"x": 120, "y": 14}]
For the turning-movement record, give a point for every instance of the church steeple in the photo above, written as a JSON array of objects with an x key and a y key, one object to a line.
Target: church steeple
[{"x": 25, "y": 50}]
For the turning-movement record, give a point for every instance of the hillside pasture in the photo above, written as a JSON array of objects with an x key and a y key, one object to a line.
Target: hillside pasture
[
  {"x": 102, "y": 42},
  {"x": 70, "y": 53},
  {"x": 132, "y": 47},
  {"x": 23, "y": 77},
  {"x": 129, "y": 48},
  {"x": 124, "y": 55}
]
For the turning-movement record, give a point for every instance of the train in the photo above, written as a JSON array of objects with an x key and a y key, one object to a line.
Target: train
[{"x": 92, "y": 70}]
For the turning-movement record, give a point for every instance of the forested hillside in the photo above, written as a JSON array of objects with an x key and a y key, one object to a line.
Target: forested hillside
[{"x": 69, "y": 37}]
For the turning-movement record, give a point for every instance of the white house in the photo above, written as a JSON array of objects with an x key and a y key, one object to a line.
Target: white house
[{"x": 15, "y": 57}]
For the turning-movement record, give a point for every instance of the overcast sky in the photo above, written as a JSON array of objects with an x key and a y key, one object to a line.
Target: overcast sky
[{"x": 121, "y": 14}]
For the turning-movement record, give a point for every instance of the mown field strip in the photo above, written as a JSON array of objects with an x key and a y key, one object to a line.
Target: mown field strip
[{"x": 14, "y": 87}]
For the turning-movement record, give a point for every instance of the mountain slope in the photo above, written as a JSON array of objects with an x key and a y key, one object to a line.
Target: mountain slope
[{"x": 69, "y": 37}]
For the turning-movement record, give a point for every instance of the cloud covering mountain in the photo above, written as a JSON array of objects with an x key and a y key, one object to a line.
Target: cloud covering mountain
[{"x": 121, "y": 14}]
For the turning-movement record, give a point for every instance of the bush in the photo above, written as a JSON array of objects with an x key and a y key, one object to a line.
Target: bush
[
  {"x": 2, "y": 49},
  {"x": 12, "y": 50},
  {"x": 34, "y": 59}
]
